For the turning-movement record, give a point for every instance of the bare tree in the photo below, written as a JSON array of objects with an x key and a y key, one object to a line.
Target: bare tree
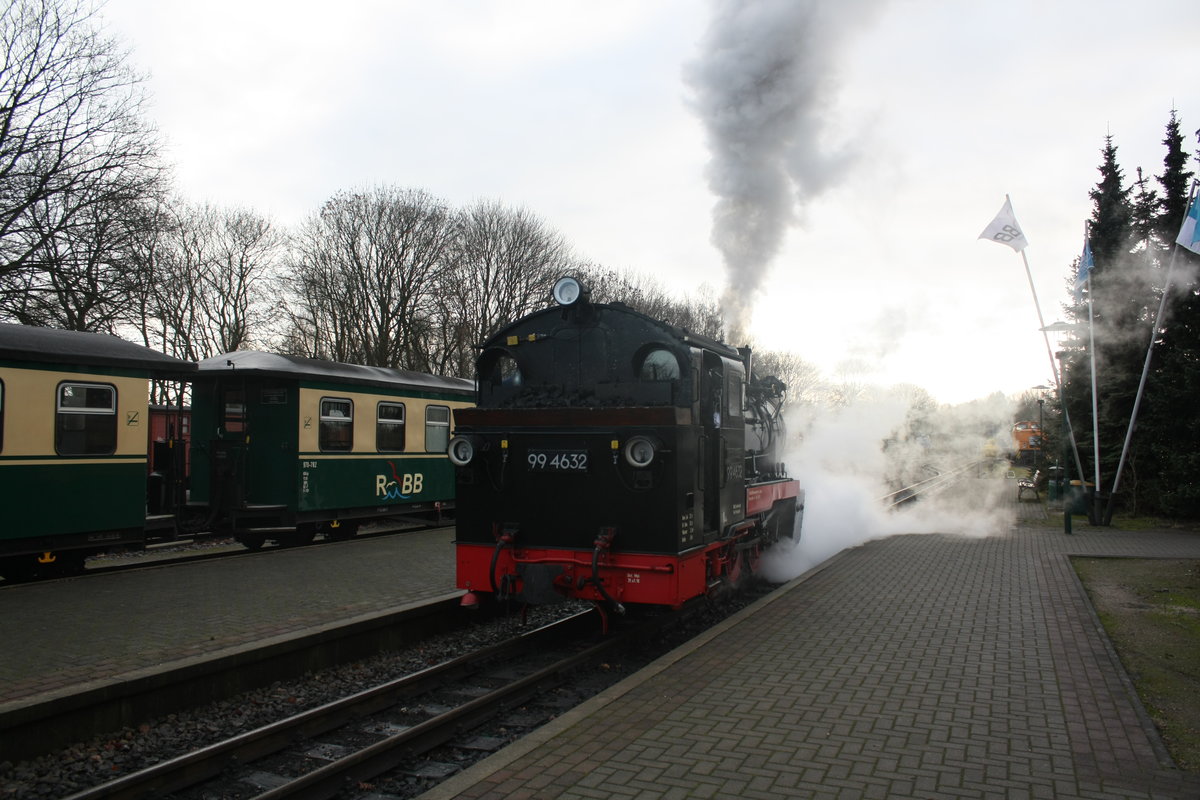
[
  {"x": 699, "y": 314},
  {"x": 801, "y": 377},
  {"x": 504, "y": 263},
  {"x": 205, "y": 274},
  {"x": 363, "y": 275},
  {"x": 72, "y": 139},
  {"x": 82, "y": 276}
]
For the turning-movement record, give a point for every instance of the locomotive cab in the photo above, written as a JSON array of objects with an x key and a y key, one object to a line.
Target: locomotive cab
[{"x": 605, "y": 459}]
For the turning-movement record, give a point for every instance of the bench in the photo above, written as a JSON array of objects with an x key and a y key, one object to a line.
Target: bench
[{"x": 1029, "y": 485}]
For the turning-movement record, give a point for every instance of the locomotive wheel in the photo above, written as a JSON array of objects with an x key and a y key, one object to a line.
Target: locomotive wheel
[{"x": 738, "y": 569}]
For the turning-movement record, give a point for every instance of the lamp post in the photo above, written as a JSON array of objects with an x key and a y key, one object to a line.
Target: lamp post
[
  {"x": 1066, "y": 476},
  {"x": 1037, "y": 457}
]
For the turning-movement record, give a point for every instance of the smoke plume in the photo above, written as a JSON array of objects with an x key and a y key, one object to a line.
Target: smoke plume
[{"x": 761, "y": 86}]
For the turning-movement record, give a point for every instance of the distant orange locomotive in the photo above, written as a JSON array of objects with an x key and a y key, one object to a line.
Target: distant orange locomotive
[
  {"x": 1027, "y": 442},
  {"x": 614, "y": 458}
]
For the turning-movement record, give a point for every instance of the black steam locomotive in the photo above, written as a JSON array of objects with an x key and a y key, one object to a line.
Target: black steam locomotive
[{"x": 614, "y": 458}]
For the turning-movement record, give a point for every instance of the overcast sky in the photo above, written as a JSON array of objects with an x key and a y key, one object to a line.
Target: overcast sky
[{"x": 924, "y": 115}]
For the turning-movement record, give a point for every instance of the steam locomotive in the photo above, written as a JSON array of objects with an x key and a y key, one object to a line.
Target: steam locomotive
[{"x": 614, "y": 458}]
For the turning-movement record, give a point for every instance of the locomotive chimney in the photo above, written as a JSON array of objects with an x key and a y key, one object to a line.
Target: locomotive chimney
[{"x": 747, "y": 358}]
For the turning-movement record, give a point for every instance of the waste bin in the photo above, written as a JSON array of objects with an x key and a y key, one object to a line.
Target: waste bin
[
  {"x": 1079, "y": 497},
  {"x": 1054, "y": 484}
]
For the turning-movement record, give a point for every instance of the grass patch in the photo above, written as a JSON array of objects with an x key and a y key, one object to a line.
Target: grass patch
[{"x": 1151, "y": 611}]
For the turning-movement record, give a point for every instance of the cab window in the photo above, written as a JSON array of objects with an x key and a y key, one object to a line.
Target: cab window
[
  {"x": 85, "y": 419},
  {"x": 336, "y": 431},
  {"x": 389, "y": 428},
  {"x": 733, "y": 394},
  {"x": 437, "y": 429},
  {"x": 498, "y": 370}
]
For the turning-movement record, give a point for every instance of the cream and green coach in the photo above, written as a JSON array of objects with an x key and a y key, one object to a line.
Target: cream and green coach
[
  {"x": 285, "y": 447},
  {"x": 74, "y": 434}
]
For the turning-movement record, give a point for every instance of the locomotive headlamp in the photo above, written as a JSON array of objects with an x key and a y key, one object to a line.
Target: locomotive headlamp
[
  {"x": 639, "y": 452},
  {"x": 567, "y": 291},
  {"x": 460, "y": 451}
]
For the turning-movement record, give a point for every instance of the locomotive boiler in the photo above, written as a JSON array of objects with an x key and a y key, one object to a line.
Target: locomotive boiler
[{"x": 614, "y": 458}]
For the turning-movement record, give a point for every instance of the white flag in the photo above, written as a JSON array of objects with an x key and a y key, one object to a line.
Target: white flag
[
  {"x": 1005, "y": 230},
  {"x": 1189, "y": 232}
]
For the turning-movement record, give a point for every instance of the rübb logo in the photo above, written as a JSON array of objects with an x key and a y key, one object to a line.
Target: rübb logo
[
  {"x": 399, "y": 487},
  {"x": 1007, "y": 234}
]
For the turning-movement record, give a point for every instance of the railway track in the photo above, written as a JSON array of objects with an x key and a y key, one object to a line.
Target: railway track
[
  {"x": 928, "y": 487},
  {"x": 318, "y": 753}
]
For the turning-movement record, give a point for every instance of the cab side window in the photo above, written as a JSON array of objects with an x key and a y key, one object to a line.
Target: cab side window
[
  {"x": 733, "y": 395},
  {"x": 85, "y": 419}
]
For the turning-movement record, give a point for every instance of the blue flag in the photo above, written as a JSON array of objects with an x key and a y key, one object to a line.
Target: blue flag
[
  {"x": 1086, "y": 265},
  {"x": 1189, "y": 232}
]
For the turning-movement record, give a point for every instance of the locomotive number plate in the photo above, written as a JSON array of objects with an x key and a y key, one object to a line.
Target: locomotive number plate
[{"x": 557, "y": 460}]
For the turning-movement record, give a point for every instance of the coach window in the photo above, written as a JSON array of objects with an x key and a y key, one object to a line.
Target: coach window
[
  {"x": 337, "y": 424},
  {"x": 85, "y": 422},
  {"x": 233, "y": 406},
  {"x": 659, "y": 365},
  {"x": 1, "y": 416},
  {"x": 437, "y": 429},
  {"x": 389, "y": 428}
]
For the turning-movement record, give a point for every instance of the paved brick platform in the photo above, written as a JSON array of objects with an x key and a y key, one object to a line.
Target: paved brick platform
[
  {"x": 69, "y": 635},
  {"x": 917, "y": 666}
]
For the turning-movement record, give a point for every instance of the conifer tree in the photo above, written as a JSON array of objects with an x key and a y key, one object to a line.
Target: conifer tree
[
  {"x": 1168, "y": 425},
  {"x": 1119, "y": 293}
]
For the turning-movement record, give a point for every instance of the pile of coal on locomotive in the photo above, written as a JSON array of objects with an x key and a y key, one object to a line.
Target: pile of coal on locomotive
[{"x": 614, "y": 458}]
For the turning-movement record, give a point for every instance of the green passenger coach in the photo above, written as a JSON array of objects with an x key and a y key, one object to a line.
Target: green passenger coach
[
  {"x": 285, "y": 447},
  {"x": 74, "y": 433}
]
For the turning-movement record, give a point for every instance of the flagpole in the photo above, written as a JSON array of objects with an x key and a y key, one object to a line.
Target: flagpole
[
  {"x": 1094, "y": 515},
  {"x": 1005, "y": 230},
  {"x": 1054, "y": 367},
  {"x": 1137, "y": 400}
]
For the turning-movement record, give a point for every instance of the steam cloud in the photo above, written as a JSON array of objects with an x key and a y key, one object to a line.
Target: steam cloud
[
  {"x": 845, "y": 468},
  {"x": 761, "y": 85}
]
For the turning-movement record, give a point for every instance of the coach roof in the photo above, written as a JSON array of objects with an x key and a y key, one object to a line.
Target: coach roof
[
  {"x": 51, "y": 345},
  {"x": 298, "y": 367}
]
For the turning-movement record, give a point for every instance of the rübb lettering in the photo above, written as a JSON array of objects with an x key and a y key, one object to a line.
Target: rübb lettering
[{"x": 399, "y": 487}]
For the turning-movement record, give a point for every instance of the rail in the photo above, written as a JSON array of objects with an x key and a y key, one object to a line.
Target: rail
[
  {"x": 537, "y": 647},
  {"x": 929, "y": 486}
]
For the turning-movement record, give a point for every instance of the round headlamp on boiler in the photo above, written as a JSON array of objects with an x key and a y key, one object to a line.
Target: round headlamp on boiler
[{"x": 568, "y": 291}]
